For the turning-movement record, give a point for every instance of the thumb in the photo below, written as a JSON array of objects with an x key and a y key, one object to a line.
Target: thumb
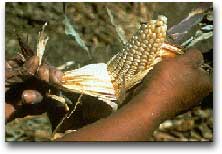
[{"x": 193, "y": 57}]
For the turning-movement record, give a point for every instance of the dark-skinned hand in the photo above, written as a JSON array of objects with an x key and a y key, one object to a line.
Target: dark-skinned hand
[
  {"x": 173, "y": 86},
  {"x": 29, "y": 96},
  {"x": 180, "y": 81}
]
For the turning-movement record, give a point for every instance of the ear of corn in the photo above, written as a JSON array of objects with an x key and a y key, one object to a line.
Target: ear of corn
[
  {"x": 127, "y": 68},
  {"x": 139, "y": 55}
]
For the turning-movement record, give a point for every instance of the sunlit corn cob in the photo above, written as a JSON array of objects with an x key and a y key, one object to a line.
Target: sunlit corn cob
[
  {"x": 139, "y": 55},
  {"x": 127, "y": 68}
]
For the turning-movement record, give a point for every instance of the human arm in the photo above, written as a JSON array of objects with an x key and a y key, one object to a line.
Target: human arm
[{"x": 173, "y": 86}]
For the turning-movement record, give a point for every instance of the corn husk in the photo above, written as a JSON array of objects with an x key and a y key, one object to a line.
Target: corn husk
[{"x": 125, "y": 69}]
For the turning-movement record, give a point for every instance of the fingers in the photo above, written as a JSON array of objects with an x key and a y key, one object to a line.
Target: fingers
[
  {"x": 206, "y": 81},
  {"x": 55, "y": 76},
  {"x": 193, "y": 57},
  {"x": 43, "y": 73},
  {"x": 9, "y": 110},
  {"x": 50, "y": 74},
  {"x": 31, "y": 97},
  {"x": 32, "y": 64}
]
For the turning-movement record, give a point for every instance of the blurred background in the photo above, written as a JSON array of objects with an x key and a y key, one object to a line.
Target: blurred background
[{"x": 92, "y": 22}]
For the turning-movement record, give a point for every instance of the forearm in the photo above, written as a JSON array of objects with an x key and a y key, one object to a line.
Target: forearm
[
  {"x": 134, "y": 122},
  {"x": 172, "y": 87}
]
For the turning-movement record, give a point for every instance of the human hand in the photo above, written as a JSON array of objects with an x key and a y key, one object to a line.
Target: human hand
[
  {"x": 180, "y": 83},
  {"x": 29, "y": 95}
]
